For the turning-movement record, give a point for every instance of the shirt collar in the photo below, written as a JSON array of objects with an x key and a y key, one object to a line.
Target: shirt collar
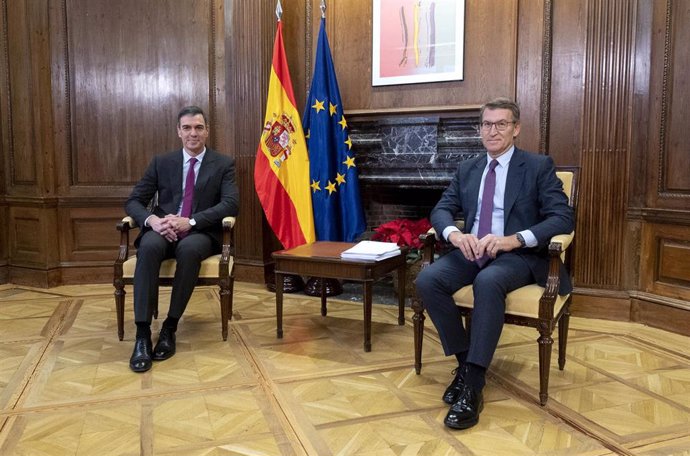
[
  {"x": 504, "y": 159},
  {"x": 187, "y": 155}
]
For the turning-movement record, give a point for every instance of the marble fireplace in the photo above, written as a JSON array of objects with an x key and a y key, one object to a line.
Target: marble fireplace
[{"x": 406, "y": 161}]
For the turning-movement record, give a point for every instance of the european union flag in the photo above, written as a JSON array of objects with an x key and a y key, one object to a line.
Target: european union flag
[{"x": 338, "y": 212}]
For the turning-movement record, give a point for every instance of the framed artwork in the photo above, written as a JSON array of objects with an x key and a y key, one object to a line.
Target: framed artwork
[{"x": 417, "y": 41}]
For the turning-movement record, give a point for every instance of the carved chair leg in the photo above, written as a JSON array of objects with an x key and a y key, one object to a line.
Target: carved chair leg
[
  {"x": 418, "y": 321},
  {"x": 224, "y": 306},
  {"x": 231, "y": 288},
  {"x": 563, "y": 335},
  {"x": 545, "y": 342},
  {"x": 120, "y": 308}
]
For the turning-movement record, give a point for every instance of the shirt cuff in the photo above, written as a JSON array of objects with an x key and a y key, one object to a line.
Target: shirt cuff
[
  {"x": 146, "y": 222},
  {"x": 448, "y": 230}
]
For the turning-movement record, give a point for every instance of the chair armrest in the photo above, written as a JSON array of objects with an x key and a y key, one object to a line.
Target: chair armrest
[
  {"x": 228, "y": 232},
  {"x": 557, "y": 247},
  {"x": 126, "y": 224},
  {"x": 561, "y": 241},
  {"x": 428, "y": 240},
  {"x": 228, "y": 222},
  {"x": 227, "y": 248}
]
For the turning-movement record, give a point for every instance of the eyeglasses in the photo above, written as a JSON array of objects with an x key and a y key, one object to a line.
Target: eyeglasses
[{"x": 501, "y": 125}]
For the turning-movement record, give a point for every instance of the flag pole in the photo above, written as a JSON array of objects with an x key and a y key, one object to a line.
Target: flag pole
[{"x": 323, "y": 9}]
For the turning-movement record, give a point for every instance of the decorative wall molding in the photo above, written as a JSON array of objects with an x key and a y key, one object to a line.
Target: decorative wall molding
[
  {"x": 662, "y": 300},
  {"x": 6, "y": 126},
  {"x": 67, "y": 94},
  {"x": 213, "y": 75},
  {"x": 659, "y": 215},
  {"x": 666, "y": 93},
  {"x": 547, "y": 50}
]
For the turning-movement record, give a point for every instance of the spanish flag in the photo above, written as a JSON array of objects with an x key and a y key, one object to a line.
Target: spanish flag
[{"x": 281, "y": 171}]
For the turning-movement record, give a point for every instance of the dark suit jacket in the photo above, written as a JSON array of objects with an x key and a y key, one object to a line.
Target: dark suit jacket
[
  {"x": 215, "y": 193},
  {"x": 534, "y": 200}
]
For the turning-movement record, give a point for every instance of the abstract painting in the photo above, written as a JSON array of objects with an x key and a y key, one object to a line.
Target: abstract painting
[{"x": 417, "y": 41}]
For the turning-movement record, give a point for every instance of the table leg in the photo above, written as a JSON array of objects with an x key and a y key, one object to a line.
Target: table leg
[
  {"x": 367, "y": 315},
  {"x": 279, "y": 304},
  {"x": 402, "y": 276},
  {"x": 324, "y": 311}
]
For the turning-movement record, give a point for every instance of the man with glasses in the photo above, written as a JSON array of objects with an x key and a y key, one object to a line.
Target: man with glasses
[{"x": 512, "y": 203}]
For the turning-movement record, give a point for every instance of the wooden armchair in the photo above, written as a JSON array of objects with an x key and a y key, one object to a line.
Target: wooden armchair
[
  {"x": 534, "y": 306},
  {"x": 215, "y": 270}
]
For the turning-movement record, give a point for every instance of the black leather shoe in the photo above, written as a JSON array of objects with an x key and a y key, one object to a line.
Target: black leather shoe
[
  {"x": 165, "y": 347},
  {"x": 141, "y": 356},
  {"x": 455, "y": 388},
  {"x": 464, "y": 413}
]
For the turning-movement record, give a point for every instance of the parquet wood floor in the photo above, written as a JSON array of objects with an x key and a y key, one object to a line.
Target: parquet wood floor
[{"x": 66, "y": 389}]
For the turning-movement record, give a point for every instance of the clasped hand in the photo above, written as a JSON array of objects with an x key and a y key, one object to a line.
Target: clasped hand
[
  {"x": 170, "y": 226},
  {"x": 474, "y": 248}
]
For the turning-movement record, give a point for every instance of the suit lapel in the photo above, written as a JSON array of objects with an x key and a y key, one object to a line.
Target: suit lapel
[
  {"x": 473, "y": 184},
  {"x": 514, "y": 179},
  {"x": 205, "y": 172},
  {"x": 176, "y": 176}
]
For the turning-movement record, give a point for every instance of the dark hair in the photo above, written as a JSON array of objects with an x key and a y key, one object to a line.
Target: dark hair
[
  {"x": 501, "y": 103},
  {"x": 191, "y": 111}
]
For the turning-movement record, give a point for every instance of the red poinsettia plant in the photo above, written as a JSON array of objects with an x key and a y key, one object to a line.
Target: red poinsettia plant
[{"x": 404, "y": 232}]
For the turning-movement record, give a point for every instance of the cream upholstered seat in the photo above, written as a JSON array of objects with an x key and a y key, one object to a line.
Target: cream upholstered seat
[
  {"x": 215, "y": 270},
  {"x": 535, "y": 306}
]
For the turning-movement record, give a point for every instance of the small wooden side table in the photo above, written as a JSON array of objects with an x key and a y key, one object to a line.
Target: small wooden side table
[{"x": 322, "y": 259}]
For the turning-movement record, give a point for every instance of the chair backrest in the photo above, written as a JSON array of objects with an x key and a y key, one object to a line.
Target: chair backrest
[
  {"x": 153, "y": 203},
  {"x": 568, "y": 175}
]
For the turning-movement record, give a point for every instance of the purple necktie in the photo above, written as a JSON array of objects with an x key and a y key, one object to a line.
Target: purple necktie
[
  {"x": 487, "y": 208},
  {"x": 188, "y": 198}
]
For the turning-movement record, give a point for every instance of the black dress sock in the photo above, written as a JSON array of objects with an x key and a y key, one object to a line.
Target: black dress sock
[
  {"x": 170, "y": 323},
  {"x": 143, "y": 330},
  {"x": 461, "y": 357},
  {"x": 476, "y": 376}
]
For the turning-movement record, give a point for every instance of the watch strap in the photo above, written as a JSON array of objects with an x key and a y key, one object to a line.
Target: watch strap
[{"x": 521, "y": 239}]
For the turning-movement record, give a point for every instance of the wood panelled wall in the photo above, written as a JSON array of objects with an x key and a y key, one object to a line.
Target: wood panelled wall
[
  {"x": 89, "y": 90},
  {"x": 660, "y": 210}
]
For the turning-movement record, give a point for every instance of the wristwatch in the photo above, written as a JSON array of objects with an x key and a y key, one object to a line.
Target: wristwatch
[
  {"x": 521, "y": 239},
  {"x": 192, "y": 222}
]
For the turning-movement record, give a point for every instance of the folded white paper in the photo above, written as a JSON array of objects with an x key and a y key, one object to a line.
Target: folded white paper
[{"x": 371, "y": 250}]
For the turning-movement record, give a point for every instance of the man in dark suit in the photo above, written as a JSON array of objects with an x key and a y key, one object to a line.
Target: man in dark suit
[
  {"x": 195, "y": 189},
  {"x": 512, "y": 203}
]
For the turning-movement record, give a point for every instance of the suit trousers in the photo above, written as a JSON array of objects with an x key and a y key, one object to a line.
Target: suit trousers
[
  {"x": 153, "y": 249},
  {"x": 436, "y": 284}
]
